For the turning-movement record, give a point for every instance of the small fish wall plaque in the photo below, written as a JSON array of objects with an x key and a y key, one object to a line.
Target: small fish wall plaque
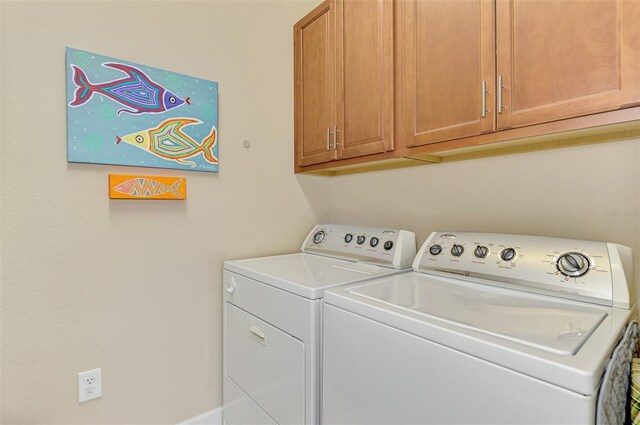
[
  {"x": 147, "y": 187},
  {"x": 123, "y": 113}
]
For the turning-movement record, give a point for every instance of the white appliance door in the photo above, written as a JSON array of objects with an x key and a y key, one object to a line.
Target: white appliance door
[
  {"x": 267, "y": 364},
  {"x": 542, "y": 322},
  {"x": 240, "y": 409}
]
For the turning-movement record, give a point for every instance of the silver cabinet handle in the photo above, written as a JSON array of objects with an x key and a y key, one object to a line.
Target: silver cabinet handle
[
  {"x": 257, "y": 333},
  {"x": 335, "y": 137},
  {"x": 231, "y": 287},
  {"x": 484, "y": 98},
  {"x": 328, "y": 138},
  {"x": 499, "y": 94}
]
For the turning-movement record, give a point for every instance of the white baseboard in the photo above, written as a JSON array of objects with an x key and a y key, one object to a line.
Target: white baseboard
[{"x": 211, "y": 417}]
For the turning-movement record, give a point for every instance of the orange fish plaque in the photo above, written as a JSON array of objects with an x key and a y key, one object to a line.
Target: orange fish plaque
[{"x": 147, "y": 187}]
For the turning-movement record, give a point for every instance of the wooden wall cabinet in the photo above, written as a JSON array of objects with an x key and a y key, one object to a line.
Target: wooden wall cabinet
[
  {"x": 562, "y": 59},
  {"x": 343, "y": 65},
  {"x": 555, "y": 59},
  {"x": 468, "y": 73},
  {"x": 445, "y": 70},
  {"x": 314, "y": 68}
]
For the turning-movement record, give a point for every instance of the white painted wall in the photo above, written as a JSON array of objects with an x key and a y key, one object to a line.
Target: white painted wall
[
  {"x": 588, "y": 192},
  {"x": 134, "y": 287}
]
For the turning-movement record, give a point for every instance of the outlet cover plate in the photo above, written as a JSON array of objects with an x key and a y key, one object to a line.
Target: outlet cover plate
[{"x": 89, "y": 385}]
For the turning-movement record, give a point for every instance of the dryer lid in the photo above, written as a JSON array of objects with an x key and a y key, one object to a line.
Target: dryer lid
[
  {"x": 306, "y": 275},
  {"x": 545, "y": 323}
]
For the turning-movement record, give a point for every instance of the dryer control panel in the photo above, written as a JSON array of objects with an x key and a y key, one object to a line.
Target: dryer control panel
[
  {"x": 597, "y": 272},
  {"x": 384, "y": 247}
]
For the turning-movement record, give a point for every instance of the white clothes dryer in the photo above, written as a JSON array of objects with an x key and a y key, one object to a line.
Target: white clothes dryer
[
  {"x": 273, "y": 316},
  {"x": 491, "y": 329}
]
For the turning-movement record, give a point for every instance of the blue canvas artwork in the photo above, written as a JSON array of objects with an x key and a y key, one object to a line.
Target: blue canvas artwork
[{"x": 122, "y": 113}]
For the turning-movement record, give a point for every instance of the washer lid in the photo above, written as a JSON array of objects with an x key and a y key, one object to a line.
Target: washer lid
[
  {"x": 537, "y": 321},
  {"x": 307, "y": 275}
]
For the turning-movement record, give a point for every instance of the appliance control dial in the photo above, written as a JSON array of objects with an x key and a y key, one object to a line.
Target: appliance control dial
[
  {"x": 374, "y": 241},
  {"x": 318, "y": 237},
  {"x": 388, "y": 245},
  {"x": 573, "y": 264},
  {"x": 508, "y": 254},
  {"x": 360, "y": 239},
  {"x": 457, "y": 250},
  {"x": 481, "y": 251},
  {"x": 348, "y": 237},
  {"x": 435, "y": 249}
]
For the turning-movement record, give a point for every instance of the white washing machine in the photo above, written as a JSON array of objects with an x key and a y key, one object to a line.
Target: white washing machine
[
  {"x": 491, "y": 329},
  {"x": 273, "y": 317}
]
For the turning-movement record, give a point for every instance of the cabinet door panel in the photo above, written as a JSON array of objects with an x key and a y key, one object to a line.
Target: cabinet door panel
[
  {"x": 314, "y": 65},
  {"x": 365, "y": 76},
  {"x": 561, "y": 59},
  {"x": 445, "y": 51}
]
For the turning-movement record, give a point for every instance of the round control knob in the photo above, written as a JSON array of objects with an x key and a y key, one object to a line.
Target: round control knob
[
  {"x": 388, "y": 245},
  {"x": 481, "y": 251},
  {"x": 435, "y": 249},
  {"x": 457, "y": 250},
  {"x": 374, "y": 241},
  {"x": 360, "y": 239},
  {"x": 348, "y": 237},
  {"x": 573, "y": 264},
  {"x": 318, "y": 237},
  {"x": 508, "y": 254}
]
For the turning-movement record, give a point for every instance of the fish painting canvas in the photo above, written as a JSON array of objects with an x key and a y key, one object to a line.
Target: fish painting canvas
[
  {"x": 123, "y": 113},
  {"x": 147, "y": 187}
]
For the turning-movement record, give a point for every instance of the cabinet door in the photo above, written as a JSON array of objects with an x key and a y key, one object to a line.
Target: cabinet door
[
  {"x": 445, "y": 56},
  {"x": 365, "y": 76},
  {"x": 314, "y": 75},
  {"x": 561, "y": 59}
]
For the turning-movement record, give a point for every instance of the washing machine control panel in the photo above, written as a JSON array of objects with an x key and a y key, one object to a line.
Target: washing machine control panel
[
  {"x": 385, "y": 247},
  {"x": 597, "y": 272}
]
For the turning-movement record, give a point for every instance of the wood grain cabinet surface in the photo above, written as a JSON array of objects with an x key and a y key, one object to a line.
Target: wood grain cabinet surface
[
  {"x": 364, "y": 76},
  {"x": 445, "y": 69},
  {"x": 562, "y": 59},
  {"x": 314, "y": 68},
  {"x": 380, "y": 79}
]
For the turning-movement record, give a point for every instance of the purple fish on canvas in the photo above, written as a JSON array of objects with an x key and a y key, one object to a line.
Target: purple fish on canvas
[{"x": 137, "y": 92}]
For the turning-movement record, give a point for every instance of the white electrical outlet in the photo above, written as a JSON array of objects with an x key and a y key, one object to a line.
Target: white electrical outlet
[{"x": 89, "y": 385}]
